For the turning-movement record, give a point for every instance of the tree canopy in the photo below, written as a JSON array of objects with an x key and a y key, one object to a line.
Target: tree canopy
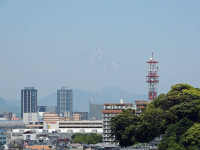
[
  {"x": 87, "y": 138},
  {"x": 174, "y": 115},
  {"x": 124, "y": 127}
]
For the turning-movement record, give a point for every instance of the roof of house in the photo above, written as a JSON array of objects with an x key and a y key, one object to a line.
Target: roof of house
[
  {"x": 28, "y": 132},
  {"x": 140, "y": 101},
  {"x": 38, "y": 147}
]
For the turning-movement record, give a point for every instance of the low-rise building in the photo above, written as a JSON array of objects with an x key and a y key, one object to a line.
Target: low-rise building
[
  {"x": 76, "y": 117},
  {"x": 51, "y": 125},
  {"x": 29, "y": 135},
  {"x": 30, "y": 118},
  {"x": 83, "y": 115},
  {"x": 51, "y": 117},
  {"x": 80, "y": 124},
  {"x": 11, "y": 124},
  {"x": 37, "y": 147},
  {"x": 7, "y": 115}
]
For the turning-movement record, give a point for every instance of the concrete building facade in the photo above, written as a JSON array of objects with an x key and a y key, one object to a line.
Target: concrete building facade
[
  {"x": 111, "y": 110},
  {"x": 51, "y": 117},
  {"x": 30, "y": 118},
  {"x": 76, "y": 117},
  {"x": 28, "y": 135}
]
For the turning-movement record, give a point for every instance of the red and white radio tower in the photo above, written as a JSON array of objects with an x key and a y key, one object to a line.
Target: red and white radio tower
[{"x": 152, "y": 79}]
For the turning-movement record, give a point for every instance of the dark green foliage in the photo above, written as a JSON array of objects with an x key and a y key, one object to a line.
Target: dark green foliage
[
  {"x": 152, "y": 124},
  {"x": 173, "y": 134},
  {"x": 179, "y": 93},
  {"x": 191, "y": 138},
  {"x": 124, "y": 127},
  {"x": 87, "y": 138},
  {"x": 186, "y": 109},
  {"x": 130, "y": 129},
  {"x": 172, "y": 115}
]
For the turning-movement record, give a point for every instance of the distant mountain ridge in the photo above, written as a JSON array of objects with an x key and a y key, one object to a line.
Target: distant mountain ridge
[
  {"x": 9, "y": 105},
  {"x": 82, "y": 98}
]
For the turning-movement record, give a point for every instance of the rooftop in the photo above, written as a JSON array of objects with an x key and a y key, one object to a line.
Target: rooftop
[
  {"x": 38, "y": 147},
  {"x": 11, "y": 124},
  {"x": 118, "y": 104},
  {"x": 28, "y": 88}
]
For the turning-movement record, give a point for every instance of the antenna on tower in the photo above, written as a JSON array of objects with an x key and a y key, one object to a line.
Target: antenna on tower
[
  {"x": 152, "y": 55},
  {"x": 152, "y": 79}
]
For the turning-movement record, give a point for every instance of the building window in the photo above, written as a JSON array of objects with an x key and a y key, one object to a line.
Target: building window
[{"x": 28, "y": 136}]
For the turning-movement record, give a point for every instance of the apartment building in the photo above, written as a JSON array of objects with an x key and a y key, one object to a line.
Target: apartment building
[{"x": 111, "y": 110}]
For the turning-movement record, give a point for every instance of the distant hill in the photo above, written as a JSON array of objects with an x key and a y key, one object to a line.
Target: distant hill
[
  {"x": 9, "y": 105},
  {"x": 102, "y": 65},
  {"x": 82, "y": 98}
]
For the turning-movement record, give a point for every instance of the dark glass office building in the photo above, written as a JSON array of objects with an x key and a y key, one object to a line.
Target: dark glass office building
[
  {"x": 28, "y": 100},
  {"x": 65, "y": 102},
  {"x": 42, "y": 108}
]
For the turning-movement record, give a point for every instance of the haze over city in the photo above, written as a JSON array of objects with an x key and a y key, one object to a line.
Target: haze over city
[
  {"x": 99, "y": 74},
  {"x": 92, "y": 45}
]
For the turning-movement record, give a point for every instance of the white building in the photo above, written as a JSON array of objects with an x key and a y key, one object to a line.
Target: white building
[
  {"x": 28, "y": 135},
  {"x": 111, "y": 110},
  {"x": 30, "y": 118}
]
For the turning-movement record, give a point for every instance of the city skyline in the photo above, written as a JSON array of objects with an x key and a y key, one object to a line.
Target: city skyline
[
  {"x": 101, "y": 74},
  {"x": 48, "y": 44}
]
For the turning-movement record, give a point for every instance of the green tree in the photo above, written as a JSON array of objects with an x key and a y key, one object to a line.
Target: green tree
[
  {"x": 170, "y": 115},
  {"x": 124, "y": 127},
  {"x": 152, "y": 124},
  {"x": 179, "y": 93},
  {"x": 186, "y": 109},
  {"x": 173, "y": 134},
  {"x": 87, "y": 138},
  {"x": 130, "y": 129},
  {"x": 191, "y": 138}
]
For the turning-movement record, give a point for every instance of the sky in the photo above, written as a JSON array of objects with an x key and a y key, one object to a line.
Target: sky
[{"x": 44, "y": 44}]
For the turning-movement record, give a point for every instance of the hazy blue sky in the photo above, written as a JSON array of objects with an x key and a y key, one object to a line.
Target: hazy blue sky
[{"x": 43, "y": 43}]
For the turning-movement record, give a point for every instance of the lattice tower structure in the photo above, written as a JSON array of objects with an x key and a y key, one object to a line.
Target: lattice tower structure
[{"x": 152, "y": 79}]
